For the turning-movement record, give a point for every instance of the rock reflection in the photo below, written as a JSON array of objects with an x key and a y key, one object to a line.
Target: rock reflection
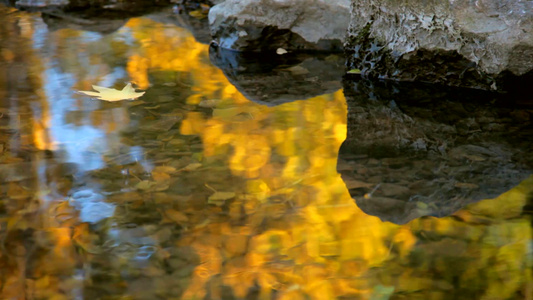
[
  {"x": 431, "y": 150},
  {"x": 271, "y": 79}
]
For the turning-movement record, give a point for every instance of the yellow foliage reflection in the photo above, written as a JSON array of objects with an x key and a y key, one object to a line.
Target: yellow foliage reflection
[
  {"x": 288, "y": 229},
  {"x": 305, "y": 238}
]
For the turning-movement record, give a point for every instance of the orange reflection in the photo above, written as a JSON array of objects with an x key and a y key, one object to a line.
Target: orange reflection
[
  {"x": 304, "y": 237},
  {"x": 291, "y": 231}
]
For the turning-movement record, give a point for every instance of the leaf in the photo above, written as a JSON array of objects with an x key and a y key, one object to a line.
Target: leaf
[
  {"x": 144, "y": 185},
  {"x": 354, "y": 71},
  {"x": 218, "y": 198},
  {"x": 198, "y": 14},
  {"x": 175, "y": 216},
  {"x": 191, "y": 167},
  {"x": 298, "y": 70},
  {"x": 160, "y": 176},
  {"x": 165, "y": 169},
  {"x": 107, "y": 94}
]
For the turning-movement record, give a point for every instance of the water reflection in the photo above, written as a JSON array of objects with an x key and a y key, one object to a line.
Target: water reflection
[
  {"x": 272, "y": 79},
  {"x": 195, "y": 192},
  {"x": 416, "y": 150}
]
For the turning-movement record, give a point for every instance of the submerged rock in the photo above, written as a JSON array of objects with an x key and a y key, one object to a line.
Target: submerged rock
[
  {"x": 266, "y": 25},
  {"x": 480, "y": 44},
  {"x": 425, "y": 151}
]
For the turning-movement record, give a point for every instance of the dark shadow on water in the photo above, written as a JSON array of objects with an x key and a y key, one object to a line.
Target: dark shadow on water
[
  {"x": 272, "y": 79},
  {"x": 415, "y": 150}
]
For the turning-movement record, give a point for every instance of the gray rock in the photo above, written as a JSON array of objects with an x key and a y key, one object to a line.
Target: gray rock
[
  {"x": 266, "y": 25},
  {"x": 483, "y": 44}
]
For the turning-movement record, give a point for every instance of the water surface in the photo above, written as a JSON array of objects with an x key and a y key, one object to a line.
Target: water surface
[{"x": 195, "y": 192}]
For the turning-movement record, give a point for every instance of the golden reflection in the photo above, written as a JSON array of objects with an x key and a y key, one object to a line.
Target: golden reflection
[
  {"x": 317, "y": 243},
  {"x": 21, "y": 68},
  {"x": 292, "y": 230},
  {"x": 170, "y": 49},
  {"x": 29, "y": 268}
]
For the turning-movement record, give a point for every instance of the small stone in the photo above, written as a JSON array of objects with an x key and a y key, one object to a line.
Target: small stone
[{"x": 281, "y": 51}]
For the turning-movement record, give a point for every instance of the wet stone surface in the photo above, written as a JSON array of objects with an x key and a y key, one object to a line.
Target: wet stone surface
[
  {"x": 294, "y": 25},
  {"x": 485, "y": 44}
]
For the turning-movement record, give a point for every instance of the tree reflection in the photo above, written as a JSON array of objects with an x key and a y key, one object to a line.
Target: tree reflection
[{"x": 142, "y": 223}]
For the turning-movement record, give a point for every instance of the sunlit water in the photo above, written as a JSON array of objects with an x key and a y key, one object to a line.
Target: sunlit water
[{"x": 195, "y": 192}]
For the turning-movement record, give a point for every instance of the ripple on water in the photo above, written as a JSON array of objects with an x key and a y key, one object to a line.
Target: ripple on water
[{"x": 92, "y": 207}]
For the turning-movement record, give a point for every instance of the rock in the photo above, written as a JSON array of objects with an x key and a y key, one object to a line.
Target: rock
[
  {"x": 395, "y": 210},
  {"x": 273, "y": 79},
  {"x": 482, "y": 44},
  {"x": 266, "y": 25},
  {"x": 394, "y": 190}
]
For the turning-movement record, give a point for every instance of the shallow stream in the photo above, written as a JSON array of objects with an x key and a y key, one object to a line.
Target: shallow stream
[{"x": 224, "y": 180}]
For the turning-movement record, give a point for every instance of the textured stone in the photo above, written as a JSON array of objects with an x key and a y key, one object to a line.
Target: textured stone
[
  {"x": 266, "y": 25},
  {"x": 483, "y": 44}
]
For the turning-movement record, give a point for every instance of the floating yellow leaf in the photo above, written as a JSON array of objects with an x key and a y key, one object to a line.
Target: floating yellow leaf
[
  {"x": 354, "y": 71},
  {"x": 107, "y": 94}
]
